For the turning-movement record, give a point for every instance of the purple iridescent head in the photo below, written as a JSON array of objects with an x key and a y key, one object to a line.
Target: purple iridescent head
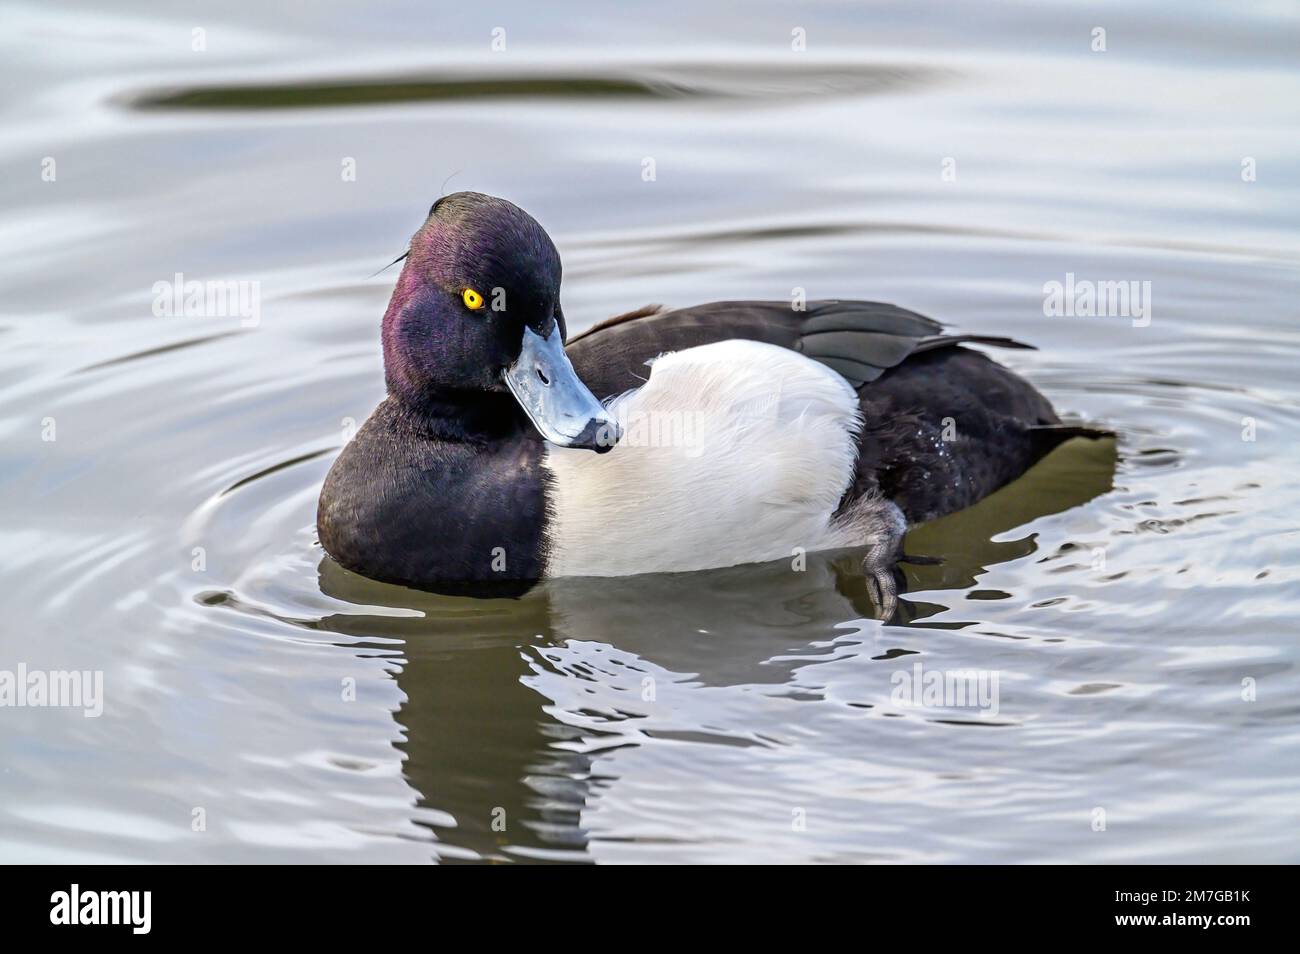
[{"x": 476, "y": 312}]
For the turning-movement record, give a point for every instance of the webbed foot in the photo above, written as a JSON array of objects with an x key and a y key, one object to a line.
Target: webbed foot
[
  {"x": 881, "y": 563},
  {"x": 884, "y": 590}
]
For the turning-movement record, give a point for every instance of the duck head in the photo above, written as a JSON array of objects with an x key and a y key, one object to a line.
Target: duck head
[{"x": 475, "y": 319}]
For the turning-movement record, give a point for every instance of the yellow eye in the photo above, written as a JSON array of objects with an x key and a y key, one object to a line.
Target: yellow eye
[{"x": 473, "y": 300}]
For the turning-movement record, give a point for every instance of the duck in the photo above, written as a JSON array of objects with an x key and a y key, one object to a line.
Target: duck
[{"x": 662, "y": 440}]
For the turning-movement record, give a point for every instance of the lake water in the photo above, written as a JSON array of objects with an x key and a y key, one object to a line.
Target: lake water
[{"x": 1137, "y": 600}]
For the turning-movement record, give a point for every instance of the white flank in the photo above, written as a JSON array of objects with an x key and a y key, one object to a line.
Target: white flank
[{"x": 734, "y": 452}]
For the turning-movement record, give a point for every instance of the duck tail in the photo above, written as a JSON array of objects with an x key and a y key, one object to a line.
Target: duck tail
[
  {"x": 995, "y": 341},
  {"x": 1044, "y": 438}
]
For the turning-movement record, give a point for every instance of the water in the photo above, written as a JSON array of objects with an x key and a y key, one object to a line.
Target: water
[{"x": 1127, "y": 594}]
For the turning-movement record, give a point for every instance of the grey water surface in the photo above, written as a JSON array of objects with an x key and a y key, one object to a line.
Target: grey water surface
[{"x": 1137, "y": 599}]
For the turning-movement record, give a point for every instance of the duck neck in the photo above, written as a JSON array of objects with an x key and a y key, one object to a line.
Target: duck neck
[{"x": 461, "y": 415}]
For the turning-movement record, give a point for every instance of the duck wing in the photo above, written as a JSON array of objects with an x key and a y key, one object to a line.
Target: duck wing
[{"x": 859, "y": 339}]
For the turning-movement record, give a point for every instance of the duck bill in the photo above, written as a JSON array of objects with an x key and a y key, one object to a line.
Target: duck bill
[{"x": 560, "y": 406}]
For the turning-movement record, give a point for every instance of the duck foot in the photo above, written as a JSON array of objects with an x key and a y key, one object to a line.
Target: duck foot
[
  {"x": 883, "y": 588},
  {"x": 880, "y": 565}
]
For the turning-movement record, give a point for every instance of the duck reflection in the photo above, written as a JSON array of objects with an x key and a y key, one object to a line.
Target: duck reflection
[{"x": 487, "y": 748}]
